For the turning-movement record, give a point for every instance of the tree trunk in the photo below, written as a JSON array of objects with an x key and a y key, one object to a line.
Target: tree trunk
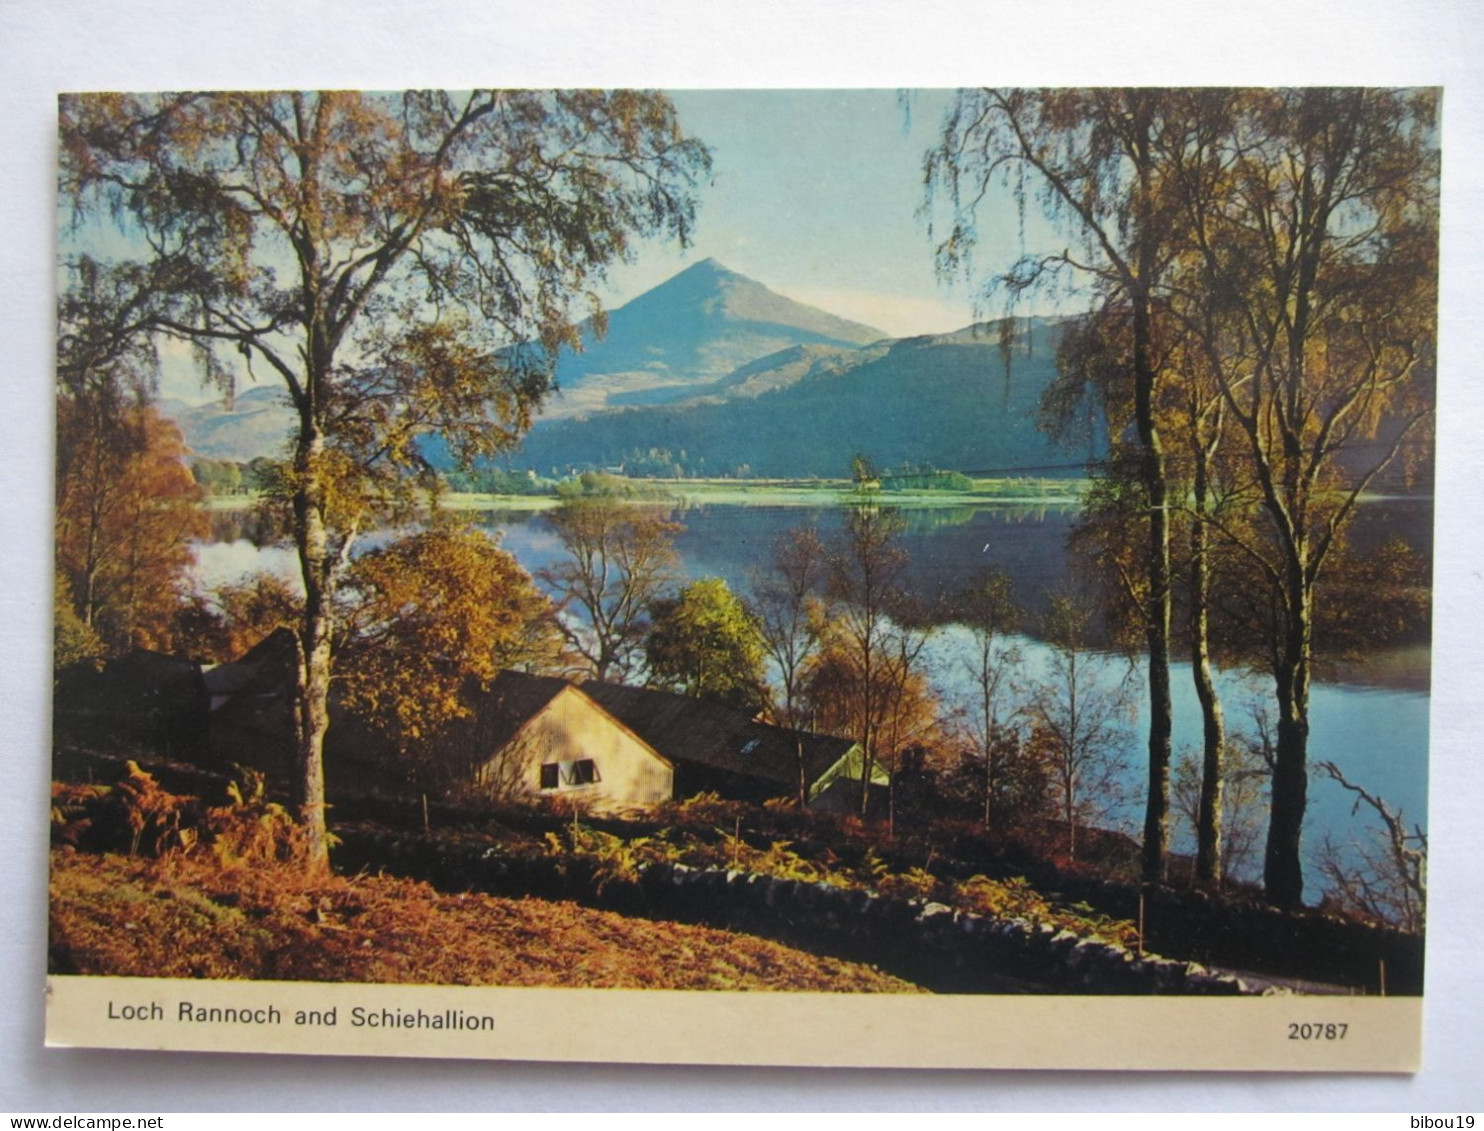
[
  {"x": 1069, "y": 812},
  {"x": 1208, "y": 860},
  {"x": 868, "y": 764},
  {"x": 86, "y": 599},
  {"x": 989, "y": 776},
  {"x": 799, "y": 757},
  {"x": 986, "y": 701},
  {"x": 1071, "y": 742},
  {"x": 312, "y": 693},
  {"x": 1157, "y": 611},
  {"x": 891, "y": 804},
  {"x": 314, "y": 721},
  {"x": 868, "y": 708},
  {"x": 1283, "y": 872}
]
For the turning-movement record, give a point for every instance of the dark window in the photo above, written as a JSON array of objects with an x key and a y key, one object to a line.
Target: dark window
[{"x": 554, "y": 775}]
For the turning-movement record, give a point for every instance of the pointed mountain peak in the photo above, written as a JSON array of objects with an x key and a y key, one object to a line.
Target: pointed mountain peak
[
  {"x": 708, "y": 274},
  {"x": 695, "y": 327},
  {"x": 713, "y": 293}
]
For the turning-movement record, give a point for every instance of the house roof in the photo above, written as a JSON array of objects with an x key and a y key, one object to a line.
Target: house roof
[
  {"x": 139, "y": 681},
  {"x": 512, "y": 700},
  {"x": 683, "y": 728},
  {"x": 267, "y": 668},
  {"x": 677, "y": 727}
]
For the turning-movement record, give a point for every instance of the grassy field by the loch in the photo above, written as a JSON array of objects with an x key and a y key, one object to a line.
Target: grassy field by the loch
[{"x": 800, "y": 493}]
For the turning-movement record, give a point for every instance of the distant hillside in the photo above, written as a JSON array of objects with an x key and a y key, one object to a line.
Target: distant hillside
[
  {"x": 940, "y": 399},
  {"x": 693, "y": 328},
  {"x": 670, "y": 344},
  {"x": 256, "y": 423}
]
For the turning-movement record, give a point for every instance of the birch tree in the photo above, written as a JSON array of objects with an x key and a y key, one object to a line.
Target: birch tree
[
  {"x": 404, "y": 265},
  {"x": 1314, "y": 224},
  {"x": 1092, "y": 160}
]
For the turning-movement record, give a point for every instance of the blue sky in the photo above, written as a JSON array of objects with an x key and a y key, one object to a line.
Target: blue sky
[{"x": 816, "y": 194}]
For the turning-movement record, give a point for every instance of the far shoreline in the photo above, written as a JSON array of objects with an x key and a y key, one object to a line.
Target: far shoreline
[
  {"x": 810, "y": 493},
  {"x": 731, "y": 492}
]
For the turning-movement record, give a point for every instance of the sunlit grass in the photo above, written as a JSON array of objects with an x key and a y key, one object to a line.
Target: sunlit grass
[{"x": 188, "y": 917}]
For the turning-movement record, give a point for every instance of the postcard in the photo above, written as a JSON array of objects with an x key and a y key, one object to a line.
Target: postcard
[{"x": 932, "y": 578}]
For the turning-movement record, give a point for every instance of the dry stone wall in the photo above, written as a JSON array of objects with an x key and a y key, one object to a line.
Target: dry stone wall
[
  {"x": 947, "y": 950},
  {"x": 1308, "y": 944}
]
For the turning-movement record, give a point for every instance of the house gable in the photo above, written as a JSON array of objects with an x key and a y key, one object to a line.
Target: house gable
[
  {"x": 555, "y": 742},
  {"x": 251, "y": 707}
]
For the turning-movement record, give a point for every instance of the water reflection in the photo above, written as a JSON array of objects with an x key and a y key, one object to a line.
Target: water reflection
[
  {"x": 949, "y": 546},
  {"x": 1370, "y": 718}
]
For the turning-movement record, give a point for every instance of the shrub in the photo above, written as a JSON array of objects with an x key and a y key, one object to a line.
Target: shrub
[
  {"x": 133, "y": 816},
  {"x": 136, "y": 817},
  {"x": 914, "y": 884},
  {"x": 250, "y": 829}
]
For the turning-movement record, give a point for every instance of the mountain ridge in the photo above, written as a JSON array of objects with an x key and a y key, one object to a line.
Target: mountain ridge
[
  {"x": 943, "y": 399},
  {"x": 740, "y": 378},
  {"x": 256, "y": 422},
  {"x": 671, "y": 343},
  {"x": 692, "y": 329}
]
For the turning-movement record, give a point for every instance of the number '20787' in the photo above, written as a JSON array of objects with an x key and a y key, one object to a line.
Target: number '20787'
[{"x": 1317, "y": 1030}]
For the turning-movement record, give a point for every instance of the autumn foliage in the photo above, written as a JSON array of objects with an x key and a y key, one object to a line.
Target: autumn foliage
[
  {"x": 429, "y": 619},
  {"x": 127, "y": 511},
  {"x": 405, "y": 265},
  {"x": 235, "y": 617}
]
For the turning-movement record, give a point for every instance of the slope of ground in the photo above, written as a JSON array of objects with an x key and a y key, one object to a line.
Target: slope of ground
[{"x": 184, "y": 918}]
